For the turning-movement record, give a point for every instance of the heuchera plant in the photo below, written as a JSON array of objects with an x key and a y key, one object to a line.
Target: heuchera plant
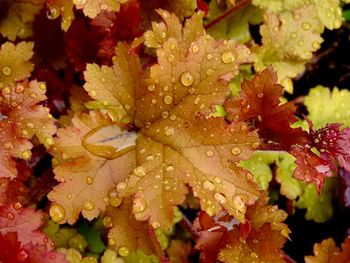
[{"x": 157, "y": 131}]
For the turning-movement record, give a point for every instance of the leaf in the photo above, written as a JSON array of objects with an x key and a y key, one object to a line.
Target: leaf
[
  {"x": 325, "y": 106},
  {"x": 14, "y": 62},
  {"x": 114, "y": 87},
  {"x": 319, "y": 206},
  {"x": 129, "y": 234},
  {"x": 92, "y": 8},
  {"x": 83, "y": 174},
  {"x": 62, "y": 8},
  {"x": 20, "y": 102},
  {"x": 14, "y": 252},
  {"x": 289, "y": 45},
  {"x": 259, "y": 102},
  {"x": 18, "y": 22},
  {"x": 181, "y": 154},
  {"x": 263, "y": 241},
  {"x": 327, "y": 251}
]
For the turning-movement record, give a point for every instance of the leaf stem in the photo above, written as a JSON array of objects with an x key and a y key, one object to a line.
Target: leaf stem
[
  {"x": 188, "y": 226},
  {"x": 230, "y": 11}
]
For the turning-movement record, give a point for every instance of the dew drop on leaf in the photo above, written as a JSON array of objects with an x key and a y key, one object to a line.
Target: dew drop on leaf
[
  {"x": 121, "y": 186},
  {"x": 6, "y": 71},
  {"x": 228, "y": 57},
  {"x": 236, "y": 150},
  {"x": 171, "y": 58},
  {"x": 168, "y": 99},
  {"x": 209, "y": 186},
  {"x": 10, "y": 216},
  {"x": 139, "y": 171},
  {"x": 151, "y": 87},
  {"x": 139, "y": 205},
  {"x": 239, "y": 204},
  {"x": 89, "y": 180},
  {"x": 22, "y": 255},
  {"x": 26, "y": 155},
  {"x": 306, "y": 26},
  {"x": 209, "y": 56},
  {"x": 195, "y": 49},
  {"x": 123, "y": 251},
  {"x": 187, "y": 79},
  {"x": 210, "y": 153},
  {"x": 293, "y": 35},
  {"x": 113, "y": 198},
  {"x": 89, "y": 205},
  {"x": 107, "y": 221},
  {"x": 57, "y": 212},
  {"x": 169, "y": 132},
  {"x": 220, "y": 198},
  {"x": 52, "y": 13},
  {"x": 170, "y": 168},
  {"x": 8, "y": 146},
  {"x": 165, "y": 114}
]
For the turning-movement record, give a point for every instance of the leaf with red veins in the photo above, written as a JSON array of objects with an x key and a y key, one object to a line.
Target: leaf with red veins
[
  {"x": 225, "y": 239},
  {"x": 128, "y": 232},
  {"x": 259, "y": 102},
  {"x": 333, "y": 143},
  {"x": 85, "y": 178},
  {"x": 25, "y": 221},
  {"x": 22, "y": 118},
  {"x": 13, "y": 251},
  {"x": 310, "y": 168},
  {"x": 328, "y": 252}
]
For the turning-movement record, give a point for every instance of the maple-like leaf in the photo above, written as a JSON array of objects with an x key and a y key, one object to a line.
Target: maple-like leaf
[
  {"x": 328, "y": 252},
  {"x": 288, "y": 45},
  {"x": 13, "y": 251},
  {"x": 259, "y": 102},
  {"x": 20, "y": 15},
  {"x": 318, "y": 205},
  {"x": 224, "y": 238},
  {"x": 92, "y": 8},
  {"x": 14, "y": 62},
  {"x": 326, "y": 106},
  {"x": 20, "y": 102},
  {"x": 82, "y": 174},
  {"x": 63, "y": 8},
  {"x": 177, "y": 143},
  {"x": 129, "y": 234}
]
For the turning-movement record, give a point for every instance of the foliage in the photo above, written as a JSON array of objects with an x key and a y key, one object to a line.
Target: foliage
[{"x": 131, "y": 115}]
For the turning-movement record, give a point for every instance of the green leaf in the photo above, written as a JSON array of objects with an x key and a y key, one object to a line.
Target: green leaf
[
  {"x": 140, "y": 257},
  {"x": 92, "y": 237},
  {"x": 325, "y": 106},
  {"x": 319, "y": 207}
]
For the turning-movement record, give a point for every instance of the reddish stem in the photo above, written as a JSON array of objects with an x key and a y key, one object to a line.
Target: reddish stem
[
  {"x": 235, "y": 8},
  {"x": 188, "y": 226}
]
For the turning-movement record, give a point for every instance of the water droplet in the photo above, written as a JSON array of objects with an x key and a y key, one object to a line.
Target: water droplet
[
  {"x": 22, "y": 255},
  {"x": 209, "y": 186},
  {"x": 170, "y": 168},
  {"x": 153, "y": 101},
  {"x": 293, "y": 35},
  {"x": 19, "y": 88},
  {"x": 316, "y": 45},
  {"x": 10, "y": 216},
  {"x": 92, "y": 93},
  {"x": 57, "y": 212},
  {"x": 187, "y": 79},
  {"x": 254, "y": 255},
  {"x": 239, "y": 203},
  {"x": 236, "y": 150},
  {"x": 196, "y": 100},
  {"x": 271, "y": 209},
  {"x": 172, "y": 47},
  {"x": 260, "y": 95},
  {"x": 139, "y": 205},
  {"x": 210, "y": 153},
  {"x": 255, "y": 145},
  {"x": 26, "y": 155},
  {"x": 169, "y": 132},
  {"x": 17, "y": 206},
  {"x": 139, "y": 171},
  {"x": 173, "y": 117},
  {"x": 107, "y": 221},
  {"x": 209, "y": 56},
  {"x": 155, "y": 225},
  {"x": 195, "y": 49},
  {"x": 165, "y": 114},
  {"x": 166, "y": 88},
  {"x": 111, "y": 241},
  {"x": 168, "y": 99},
  {"x": 285, "y": 233},
  {"x": 220, "y": 198},
  {"x": 306, "y": 26},
  {"x": 113, "y": 198},
  {"x": 151, "y": 87},
  {"x": 89, "y": 205},
  {"x": 89, "y": 180},
  {"x": 150, "y": 157},
  {"x": 171, "y": 58},
  {"x": 6, "y": 71},
  {"x": 123, "y": 251},
  {"x": 191, "y": 91},
  {"x": 8, "y": 146},
  {"x": 229, "y": 57},
  {"x": 52, "y": 13},
  {"x": 217, "y": 180}
]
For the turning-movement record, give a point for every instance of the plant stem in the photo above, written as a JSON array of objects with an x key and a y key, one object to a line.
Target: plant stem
[
  {"x": 230, "y": 11},
  {"x": 188, "y": 226}
]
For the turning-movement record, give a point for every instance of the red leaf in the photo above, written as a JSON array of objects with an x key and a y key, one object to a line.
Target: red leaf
[
  {"x": 202, "y": 6},
  {"x": 259, "y": 103},
  {"x": 310, "y": 167},
  {"x": 12, "y": 251}
]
